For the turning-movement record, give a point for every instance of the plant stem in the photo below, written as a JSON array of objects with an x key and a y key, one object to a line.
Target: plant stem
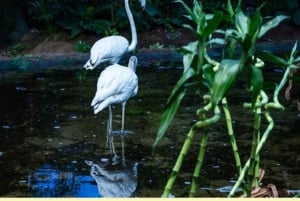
[
  {"x": 252, "y": 177},
  {"x": 258, "y": 149},
  {"x": 187, "y": 143},
  {"x": 199, "y": 163},
  {"x": 231, "y": 135}
]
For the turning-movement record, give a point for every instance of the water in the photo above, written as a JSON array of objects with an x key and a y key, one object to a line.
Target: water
[{"x": 49, "y": 135}]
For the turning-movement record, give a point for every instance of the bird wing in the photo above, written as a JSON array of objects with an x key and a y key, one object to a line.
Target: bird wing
[
  {"x": 109, "y": 48},
  {"x": 116, "y": 84}
]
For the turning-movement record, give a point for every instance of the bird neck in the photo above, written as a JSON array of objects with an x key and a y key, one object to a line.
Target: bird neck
[{"x": 132, "y": 27}]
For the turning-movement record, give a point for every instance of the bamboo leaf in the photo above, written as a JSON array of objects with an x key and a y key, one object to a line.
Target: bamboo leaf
[
  {"x": 173, "y": 103},
  {"x": 271, "y": 24},
  {"x": 224, "y": 79},
  {"x": 168, "y": 115},
  {"x": 188, "y": 10},
  {"x": 213, "y": 24},
  {"x": 241, "y": 22},
  {"x": 293, "y": 53},
  {"x": 256, "y": 83},
  {"x": 269, "y": 57},
  {"x": 189, "y": 73}
]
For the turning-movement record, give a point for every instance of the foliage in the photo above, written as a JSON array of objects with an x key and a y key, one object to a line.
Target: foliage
[
  {"x": 82, "y": 46},
  {"x": 238, "y": 34},
  {"x": 84, "y": 16}
]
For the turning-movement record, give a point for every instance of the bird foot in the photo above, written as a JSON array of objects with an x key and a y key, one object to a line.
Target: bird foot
[{"x": 121, "y": 133}]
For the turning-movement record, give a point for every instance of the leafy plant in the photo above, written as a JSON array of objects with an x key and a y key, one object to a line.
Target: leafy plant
[
  {"x": 214, "y": 79},
  {"x": 82, "y": 46},
  {"x": 82, "y": 18},
  {"x": 44, "y": 11}
]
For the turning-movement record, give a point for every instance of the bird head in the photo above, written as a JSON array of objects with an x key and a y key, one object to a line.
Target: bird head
[{"x": 89, "y": 65}]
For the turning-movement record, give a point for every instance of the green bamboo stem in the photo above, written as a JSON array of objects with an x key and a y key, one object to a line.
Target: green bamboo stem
[
  {"x": 179, "y": 161},
  {"x": 253, "y": 157},
  {"x": 187, "y": 143},
  {"x": 202, "y": 149},
  {"x": 257, "y": 127},
  {"x": 273, "y": 105},
  {"x": 261, "y": 142},
  {"x": 199, "y": 163},
  {"x": 231, "y": 135},
  {"x": 258, "y": 149}
]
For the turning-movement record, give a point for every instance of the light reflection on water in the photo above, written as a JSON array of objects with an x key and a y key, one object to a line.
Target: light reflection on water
[{"x": 48, "y": 130}]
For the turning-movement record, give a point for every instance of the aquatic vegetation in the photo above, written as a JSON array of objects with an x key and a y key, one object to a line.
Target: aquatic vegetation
[{"x": 213, "y": 78}]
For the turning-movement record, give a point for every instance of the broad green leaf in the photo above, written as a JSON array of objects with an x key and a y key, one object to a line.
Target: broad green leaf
[
  {"x": 187, "y": 61},
  {"x": 192, "y": 48},
  {"x": 230, "y": 9},
  {"x": 224, "y": 79},
  {"x": 168, "y": 115},
  {"x": 173, "y": 103},
  {"x": 198, "y": 13},
  {"x": 256, "y": 83},
  {"x": 271, "y": 24},
  {"x": 209, "y": 75},
  {"x": 241, "y": 22},
  {"x": 254, "y": 25},
  {"x": 213, "y": 24}
]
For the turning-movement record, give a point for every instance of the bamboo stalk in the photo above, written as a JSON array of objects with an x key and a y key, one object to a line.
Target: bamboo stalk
[
  {"x": 199, "y": 163},
  {"x": 231, "y": 135},
  {"x": 187, "y": 143}
]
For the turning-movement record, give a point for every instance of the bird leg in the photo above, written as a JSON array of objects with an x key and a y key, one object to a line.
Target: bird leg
[
  {"x": 109, "y": 135},
  {"x": 122, "y": 129}
]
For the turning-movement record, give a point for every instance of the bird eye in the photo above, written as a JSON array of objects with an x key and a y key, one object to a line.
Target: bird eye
[{"x": 91, "y": 62}]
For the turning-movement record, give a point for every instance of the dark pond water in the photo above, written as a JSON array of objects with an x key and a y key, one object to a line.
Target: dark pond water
[{"x": 51, "y": 142}]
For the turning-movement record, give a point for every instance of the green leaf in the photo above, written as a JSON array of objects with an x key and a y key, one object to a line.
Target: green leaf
[
  {"x": 254, "y": 25},
  {"x": 241, "y": 22},
  {"x": 271, "y": 24},
  {"x": 230, "y": 9},
  {"x": 189, "y": 51},
  {"x": 173, "y": 103},
  {"x": 198, "y": 13},
  {"x": 168, "y": 115},
  {"x": 76, "y": 30},
  {"x": 213, "y": 24},
  {"x": 188, "y": 10},
  {"x": 189, "y": 73},
  {"x": 224, "y": 79},
  {"x": 271, "y": 58},
  {"x": 192, "y": 48},
  {"x": 209, "y": 75},
  {"x": 256, "y": 83},
  {"x": 293, "y": 53}
]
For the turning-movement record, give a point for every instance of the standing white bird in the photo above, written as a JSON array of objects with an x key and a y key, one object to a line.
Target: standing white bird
[
  {"x": 111, "y": 48},
  {"x": 116, "y": 84}
]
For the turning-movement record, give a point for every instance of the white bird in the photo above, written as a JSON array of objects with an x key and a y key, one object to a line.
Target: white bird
[
  {"x": 116, "y": 84},
  {"x": 110, "y": 49}
]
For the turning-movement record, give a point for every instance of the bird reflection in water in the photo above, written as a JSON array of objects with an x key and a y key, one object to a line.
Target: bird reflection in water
[{"x": 114, "y": 180}]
